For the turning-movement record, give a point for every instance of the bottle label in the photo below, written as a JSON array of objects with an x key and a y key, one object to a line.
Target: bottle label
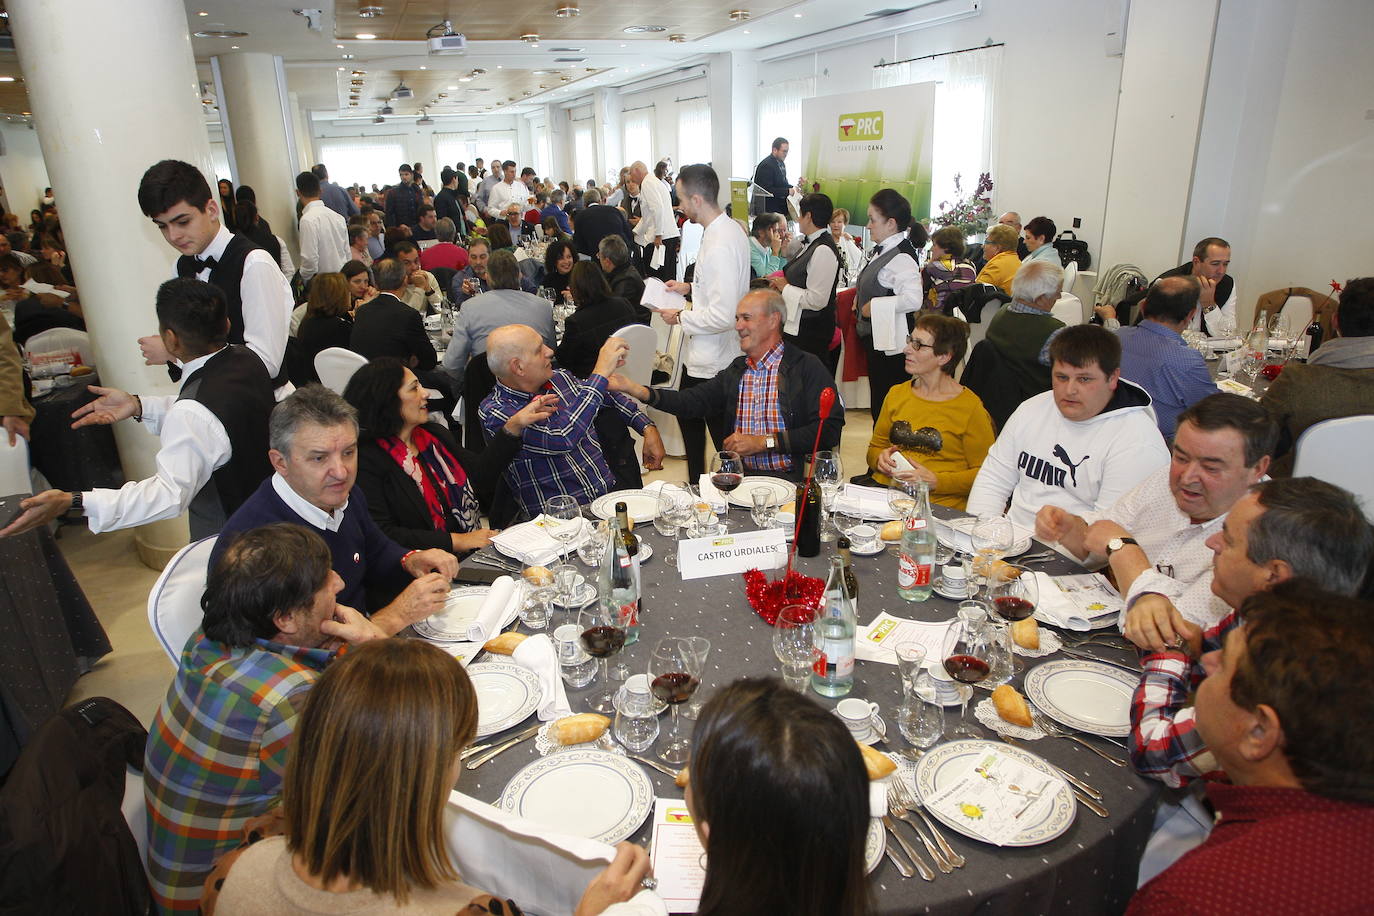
[
  {"x": 911, "y": 574},
  {"x": 915, "y": 523},
  {"x": 629, "y": 614},
  {"x": 818, "y": 666},
  {"x": 836, "y": 659},
  {"x": 624, "y": 561}
]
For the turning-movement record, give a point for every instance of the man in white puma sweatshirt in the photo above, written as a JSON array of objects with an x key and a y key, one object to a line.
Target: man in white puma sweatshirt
[{"x": 1080, "y": 446}]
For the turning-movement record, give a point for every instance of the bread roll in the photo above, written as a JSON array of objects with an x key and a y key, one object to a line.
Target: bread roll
[
  {"x": 79, "y": 371},
  {"x": 505, "y": 643},
  {"x": 1026, "y": 633},
  {"x": 1012, "y": 707},
  {"x": 579, "y": 729},
  {"x": 877, "y": 763},
  {"x": 997, "y": 570},
  {"x": 682, "y": 778},
  {"x": 538, "y": 575},
  {"x": 789, "y": 507},
  {"x": 892, "y": 531}
]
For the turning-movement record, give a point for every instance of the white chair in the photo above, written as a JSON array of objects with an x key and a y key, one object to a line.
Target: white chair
[
  {"x": 639, "y": 363},
  {"x": 1070, "y": 275},
  {"x": 335, "y": 366},
  {"x": 14, "y": 466},
  {"x": 1330, "y": 451},
  {"x": 174, "y": 603},
  {"x": 1068, "y": 309},
  {"x": 667, "y": 424},
  {"x": 1296, "y": 312},
  {"x": 56, "y": 340}
]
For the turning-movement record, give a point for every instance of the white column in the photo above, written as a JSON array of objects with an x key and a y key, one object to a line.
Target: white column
[
  {"x": 300, "y": 124},
  {"x": 254, "y": 101},
  {"x": 608, "y": 133},
  {"x": 730, "y": 81},
  {"x": 97, "y": 142}
]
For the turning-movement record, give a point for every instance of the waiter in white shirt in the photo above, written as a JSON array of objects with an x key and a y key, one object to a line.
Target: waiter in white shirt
[
  {"x": 719, "y": 283},
  {"x": 177, "y": 198},
  {"x": 656, "y": 233},
  {"x": 507, "y": 191},
  {"x": 324, "y": 234}
]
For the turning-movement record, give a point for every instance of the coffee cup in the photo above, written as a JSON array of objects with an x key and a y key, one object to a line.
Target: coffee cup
[
  {"x": 857, "y": 715},
  {"x": 864, "y": 537}
]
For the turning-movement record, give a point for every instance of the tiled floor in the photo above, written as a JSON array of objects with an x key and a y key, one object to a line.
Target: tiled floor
[{"x": 137, "y": 672}]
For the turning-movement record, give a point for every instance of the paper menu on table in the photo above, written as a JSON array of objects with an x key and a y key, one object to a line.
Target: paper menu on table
[
  {"x": 465, "y": 652},
  {"x": 865, "y": 502},
  {"x": 658, "y": 296},
  {"x": 1078, "y": 602},
  {"x": 996, "y": 797},
  {"x": 677, "y": 856},
  {"x": 877, "y": 642}
]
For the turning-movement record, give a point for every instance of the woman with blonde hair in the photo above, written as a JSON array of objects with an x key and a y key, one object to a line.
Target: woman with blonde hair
[{"x": 374, "y": 756}]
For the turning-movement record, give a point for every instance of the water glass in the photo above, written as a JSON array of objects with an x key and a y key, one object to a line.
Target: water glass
[
  {"x": 702, "y": 647},
  {"x": 921, "y": 718},
  {"x": 636, "y": 719},
  {"x": 574, "y": 664},
  {"x": 911, "y": 659},
  {"x": 765, "y": 506},
  {"x": 593, "y": 546},
  {"x": 794, "y": 643},
  {"x": 534, "y": 609}
]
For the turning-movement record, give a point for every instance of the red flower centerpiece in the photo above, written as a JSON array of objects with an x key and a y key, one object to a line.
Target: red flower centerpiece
[{"x": 769, "y": 597}]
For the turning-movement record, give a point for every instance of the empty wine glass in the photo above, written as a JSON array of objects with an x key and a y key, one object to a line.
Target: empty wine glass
[
  {"x": 563, "y": 522},
  {"x": 992, "y": 536},
  {"x": 765, "y": 510},
  {"x": 674, "y": 675},
  {"x": 970, "y": 659},
  {"x": 794, "y": 643},
  {"x": 827, "y": 474},
  {"x": 669, "y": 515},
  {"x": 603, "y": 635},
  {"x": 702, "y": 647},
  {"x": 727, "y": 473}
]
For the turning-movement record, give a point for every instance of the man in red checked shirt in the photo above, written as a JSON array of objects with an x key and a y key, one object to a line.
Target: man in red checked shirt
[
  {"x": 1285, "y": 709},
  {"x": 1282, "y": 529}
]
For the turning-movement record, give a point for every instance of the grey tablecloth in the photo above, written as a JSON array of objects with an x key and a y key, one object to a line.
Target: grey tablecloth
[
  {"x": 73, "y": 459},
  {"x": 1090, "y": 869}
]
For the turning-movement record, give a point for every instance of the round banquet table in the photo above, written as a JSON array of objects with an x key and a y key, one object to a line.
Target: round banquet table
[
  {"x": 1090, "y": 868},
  {"x": 73, "y": 459}
]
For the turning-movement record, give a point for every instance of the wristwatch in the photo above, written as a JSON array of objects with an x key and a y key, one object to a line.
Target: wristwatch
[
  {"x": 1116, "y": 544},
  {"x": 770, "y": 442},
  {"x": 78, "y": 502}
]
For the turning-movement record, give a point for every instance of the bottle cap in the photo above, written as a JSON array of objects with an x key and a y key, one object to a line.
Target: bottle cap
[{"x": 842, "y": 543}]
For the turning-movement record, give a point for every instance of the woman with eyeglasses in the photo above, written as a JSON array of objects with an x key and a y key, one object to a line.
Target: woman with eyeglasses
[{"x": 940, "y": 427}]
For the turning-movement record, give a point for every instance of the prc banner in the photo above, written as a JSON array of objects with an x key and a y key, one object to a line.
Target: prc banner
[{"x": 860, "y": 142}]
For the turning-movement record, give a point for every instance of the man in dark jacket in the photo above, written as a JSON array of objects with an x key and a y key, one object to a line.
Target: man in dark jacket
[
  {"x": 769, "y": 397},
  {"x": 771, "y": 175},
  {"x": 625, "y": 281},
  {"x": 595, "y": 222},
  {"x": 386, "y": 326},
  {"x": 403, "y": 200}
]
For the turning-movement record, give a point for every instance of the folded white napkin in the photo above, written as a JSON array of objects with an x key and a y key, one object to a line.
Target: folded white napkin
[
  {"x": 531, "y": 543},
  {"x": 711, "y": 495},
  {"x": 791, "y": 300},
  {"x": 500, "y": 605},
  {"x": 877, "y": 796},
  {"x": 866, "y": 502},
  {"x": 889, "y": 325},
  {"x": 659, "y": 257},
  {"x": 537, "y": 654},
  {"x": 1060, "y": 609}
]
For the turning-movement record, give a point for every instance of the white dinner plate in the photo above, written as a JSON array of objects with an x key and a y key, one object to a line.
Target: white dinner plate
[
  {"x": 590, "y": 793},
  {"x": 507, "y": 695},
  {"x": 949, "y": 761},
  {"x": 874, "y": 844},
  {"x": 742, "y": 496},
  {"x": 1084, "y": 695},
  {"x": 641, "y": 505},
  {"x": 460, "y": 609},
  {"x": 956, "y": 533}
]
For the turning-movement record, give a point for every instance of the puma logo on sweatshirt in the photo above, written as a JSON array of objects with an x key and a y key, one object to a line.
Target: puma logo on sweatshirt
[{"x": 1047, "y": 471}]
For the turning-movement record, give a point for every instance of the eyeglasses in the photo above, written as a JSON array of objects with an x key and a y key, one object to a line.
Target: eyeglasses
[{"x": 918, "y": 345}]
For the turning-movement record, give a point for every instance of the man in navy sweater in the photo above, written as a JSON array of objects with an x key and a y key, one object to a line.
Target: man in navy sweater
[{"x": 314, "y": 451}]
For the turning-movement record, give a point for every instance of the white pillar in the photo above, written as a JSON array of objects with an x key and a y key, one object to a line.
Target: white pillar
[
  {"x": 730, "y": 81},
  {"x": 300, "y": 125},
  {"x": 606, "y": 111},
  {"x": 97, "y": 143},
  {"x": 253, "y": 94}
]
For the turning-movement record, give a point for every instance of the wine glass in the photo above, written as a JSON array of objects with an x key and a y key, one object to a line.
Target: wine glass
[
  {"x": 674, "y": 675},
  {"x": 901, "y": 498},
  {"x": 827, "y": 473},
  {"x": 563, "y": 522},
  {"x": 970, "y": 660},
  {"x": 702, "y": 647},
  {"x": 669, "y": 514},
  {"x": 794, "y": 643},
  {"x": 727, "y": 473},
  {"x": 1015, "y": 599},
  {"x": 603, "y": 635},
  {"x": 765, "y": 508},
  {"x": 992, "y": 536}
]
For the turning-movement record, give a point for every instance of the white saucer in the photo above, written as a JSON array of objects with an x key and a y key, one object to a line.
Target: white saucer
[
  {"x": 873, "y": 735},
  {"x": 943, "y": 592},
  {"x": 881, "y": 546}
]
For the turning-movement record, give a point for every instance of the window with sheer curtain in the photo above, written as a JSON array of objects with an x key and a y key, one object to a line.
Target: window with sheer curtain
[
  {"x": 693, "y": 132},
  {"x": 779, "y": 107},
  {"x": 965, "y": 109},
  {"x": 452, "y": 148},
  {"x": 638, "y": 135},
  {"x": 584, "y": 151},
  {"x": 362, "y": 160},
  {"x": 220, "y": 155},
  {"x": 543, "y": 153}
]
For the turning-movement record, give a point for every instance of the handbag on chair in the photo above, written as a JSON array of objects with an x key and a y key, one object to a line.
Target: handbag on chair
[{"x": 1072, "y": 249}]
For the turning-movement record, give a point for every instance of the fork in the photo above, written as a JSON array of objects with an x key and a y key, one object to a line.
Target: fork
[
  {"x": 910, "y": 850},
  {"x": 1054, "y": 731},
  {"x": 897, "y": 811},
  {"x": 907, "y": 802}
]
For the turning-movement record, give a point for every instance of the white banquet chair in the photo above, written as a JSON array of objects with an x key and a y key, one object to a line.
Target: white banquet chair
[
  {"x": 174, "y": 603},
  {"x": 336, "y": 365},
  {"x": 14, "y": 466},
  {"x": 1329, "y": 451},
  {"x": 56, "y": 340},
  {"x": 639, "y": 363}
]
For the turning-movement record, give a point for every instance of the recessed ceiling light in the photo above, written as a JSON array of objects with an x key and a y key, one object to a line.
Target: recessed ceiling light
[
  {"x": 341, "y": 69},
  {"x": 796, "y": 15},
  {"x": 360, "y": 73},
  {"x": 6, "y": 79},
  {"x": 567, "y": 11},
  {"x": 364, "y": 36},
  {"x": 340, "y": 47},
  {"x": 739, "y": 15},
  {"x": 422, "y": 67},
  {"x": 498, "y": 66},
  {"x": 370, "y": 12},
  {"x": 746, "y": 31},
  {"x": 221, "y": 33},
  {"x": 679, "y": 38},
  {"x": 202, "y": 13},
  {"x": 346, "y": 56},
  {"x": 624, "y": 46},
  {"x": 530, "y": 37},
  {"x": 233, "y": 47},
  {"x": 640, "y": 29}
]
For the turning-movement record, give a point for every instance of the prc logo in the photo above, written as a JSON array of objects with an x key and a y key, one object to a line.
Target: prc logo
[{"x": 861, "y": 125}]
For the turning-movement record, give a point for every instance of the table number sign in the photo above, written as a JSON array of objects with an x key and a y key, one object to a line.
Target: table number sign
[{"x": 722, "y": 554}]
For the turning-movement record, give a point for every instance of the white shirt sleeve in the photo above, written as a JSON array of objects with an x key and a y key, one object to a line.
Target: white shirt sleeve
[
  {"x": 903, "y": 277},
  {"x": 267, "y": 309},
  {"x": 310, "y": 248},
  {"x": 194, "y": 444},
  {"x": 714, "y": 298},
  {"x": 820, "y": 280},
  {"x": 155, "y": 407},
  {"x": 1228, "y": 309},
  {"x": 997, "y": 477}
]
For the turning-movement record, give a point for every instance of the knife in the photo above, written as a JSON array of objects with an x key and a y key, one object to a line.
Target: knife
[
  {"x": 479, "y": 748},
  {"x": 504, "y": 746},
  {"x": 654, "y": 764}
]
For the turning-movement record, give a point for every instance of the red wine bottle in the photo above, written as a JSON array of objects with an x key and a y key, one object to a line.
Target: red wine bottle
[{"x": 808, "y": 521}]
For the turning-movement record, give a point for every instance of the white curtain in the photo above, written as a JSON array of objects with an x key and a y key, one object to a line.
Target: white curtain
[
  {"x": 779, "y": 107},
  {"x": 965, "y": 112},
  {"x": 638, "y": 135},
  {"x": 362, "y": 160},
  {"x": 220, "y": 155},
  {"x": 543, "y": 154},
  {"x": 584, "y": 151},
  {"x": 693, "y": 132}
]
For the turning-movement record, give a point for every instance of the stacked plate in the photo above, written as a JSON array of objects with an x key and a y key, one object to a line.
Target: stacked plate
[
  {"x": 743, "y": 496},
  {"x": 957, "y": 534},
  {"x": 589, "y": 793},
  {"x": 1084, "y": 695}
]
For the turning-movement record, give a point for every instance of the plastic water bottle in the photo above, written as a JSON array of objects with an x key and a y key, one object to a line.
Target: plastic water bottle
[
  {"x": 916, "y": 561},
  {"x": 832, "y": 673}
]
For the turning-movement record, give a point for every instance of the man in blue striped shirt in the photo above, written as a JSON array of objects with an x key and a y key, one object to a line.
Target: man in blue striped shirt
[{"x": 1155, "y": 356}]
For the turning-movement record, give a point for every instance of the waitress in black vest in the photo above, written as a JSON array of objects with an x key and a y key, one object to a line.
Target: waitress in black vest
[
  {"x": 177, "y": 198},
  {"x": 213, "y": 432},
  {"x": 893, "y": 270},
  {"x": 808, "y": 284}
]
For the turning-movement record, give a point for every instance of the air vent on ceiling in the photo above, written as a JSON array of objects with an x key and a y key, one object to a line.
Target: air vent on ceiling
[
  {"x": 566, "y": 50},
  {"x": 568, "y": 60},
  {"x": 891, "y": 11}
]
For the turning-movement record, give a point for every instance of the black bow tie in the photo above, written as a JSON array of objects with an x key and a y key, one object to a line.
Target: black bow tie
[{"x": 204, "y": 263}]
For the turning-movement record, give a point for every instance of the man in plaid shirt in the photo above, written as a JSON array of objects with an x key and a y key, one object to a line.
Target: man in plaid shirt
[
  {"x": 561, "y": 454},
  {"x": 217, "y": 749}
]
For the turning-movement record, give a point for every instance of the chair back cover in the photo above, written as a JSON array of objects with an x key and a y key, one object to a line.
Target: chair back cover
[
  {"x": 1329, "y": 451},
  {"x": 336, "y": 365},
  {"x": 174, "y": 603}
]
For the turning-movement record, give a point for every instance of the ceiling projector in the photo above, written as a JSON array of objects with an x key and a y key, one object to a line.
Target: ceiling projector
[{"x": 457, "y": 43}]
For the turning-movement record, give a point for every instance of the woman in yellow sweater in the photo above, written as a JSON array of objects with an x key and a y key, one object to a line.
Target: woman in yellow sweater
[
  {"x": 938, "y": 425},
  {"x": 1002, "y": 262}
]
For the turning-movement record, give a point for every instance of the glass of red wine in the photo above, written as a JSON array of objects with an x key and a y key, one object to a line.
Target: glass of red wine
[
  {"x": 674, "y": 675},
  {"x": 969, "y": 661},
  {"x": 603, "y": 635},
  {"x": 1015, "y": 599},
  {"x": 727, "y": 473}
]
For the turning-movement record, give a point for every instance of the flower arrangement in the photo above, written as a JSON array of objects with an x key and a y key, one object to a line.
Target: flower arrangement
[{"x": 969, "y": 214}]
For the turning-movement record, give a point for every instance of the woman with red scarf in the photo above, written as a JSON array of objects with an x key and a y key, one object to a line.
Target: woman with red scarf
[{"x": 423, "y": 489}]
